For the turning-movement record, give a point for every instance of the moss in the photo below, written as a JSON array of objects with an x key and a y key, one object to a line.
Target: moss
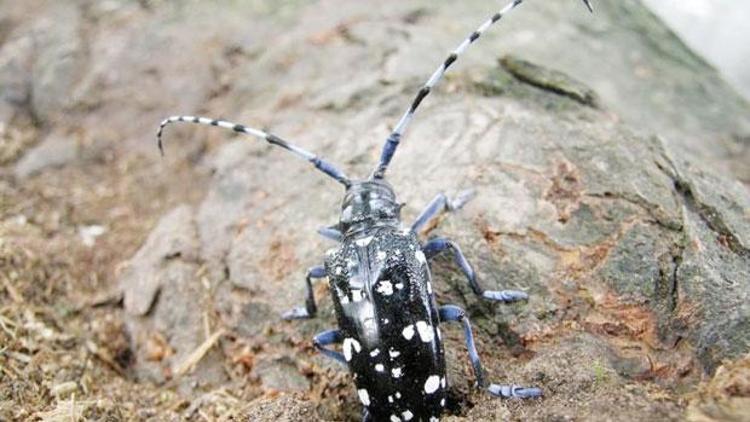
[
  {"x": 601, "y": 375},
  {"x": 498, "y": 82},
  {"x": 550, "y": 80}
]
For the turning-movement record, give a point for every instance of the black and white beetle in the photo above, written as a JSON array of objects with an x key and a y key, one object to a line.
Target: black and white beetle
[{"x": 380, "y": 281}]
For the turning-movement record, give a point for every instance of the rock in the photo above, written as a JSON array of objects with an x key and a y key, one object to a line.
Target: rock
[
  {"x": 164, "y": 298},
  {"x": 59, "y": 63},
  {"x": 16, "y": 57},
  {"x": 725, "y": 397},
  {"x": 281, "y": 374},
  {"x": 173, "y": 239},
  {"x": 551, "y": 80},
  {"x": 286, "y": 408},
  {"x": 55, "y": 150},
  {"x": 590, "y": 198},
  {"x": 581, "y": 370}
]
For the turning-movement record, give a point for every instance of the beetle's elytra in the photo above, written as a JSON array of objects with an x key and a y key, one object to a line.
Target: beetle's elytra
[{"x": 380, "y": 281}]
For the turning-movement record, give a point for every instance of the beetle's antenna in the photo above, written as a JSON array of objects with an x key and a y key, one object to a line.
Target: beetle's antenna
[
  {"x": 395, "y": 137},
  {"x": 319, "y": 163}
]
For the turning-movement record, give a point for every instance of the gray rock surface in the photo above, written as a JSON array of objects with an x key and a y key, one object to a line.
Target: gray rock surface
[
  {"x": 55, "y": 150},
  {"x": 281, "y": 374},
  {"x": 166, "y": 332}
]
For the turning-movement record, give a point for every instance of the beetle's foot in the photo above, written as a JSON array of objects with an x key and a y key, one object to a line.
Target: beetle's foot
[
  {"x": 505, "y": 296},
  {"x": 514, "y": 391},
  {"x": 461, "y": 199},
  {"x": 299, "y": 312}
]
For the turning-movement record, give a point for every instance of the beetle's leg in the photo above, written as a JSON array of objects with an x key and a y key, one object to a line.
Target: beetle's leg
[
  {"x": 437, "y": 245},
  {"x": 439, "y": 204},
  {"x": 366, "y": 416},
  {"x": 327, "y": 338},
  {"x": 309, "y": 310},
  {"x": 331, "y": 233},
  {"x": 456, "y": 314}
]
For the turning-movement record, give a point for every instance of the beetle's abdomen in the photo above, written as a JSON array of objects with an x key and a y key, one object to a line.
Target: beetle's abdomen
[{"x": 381, "y": 288}]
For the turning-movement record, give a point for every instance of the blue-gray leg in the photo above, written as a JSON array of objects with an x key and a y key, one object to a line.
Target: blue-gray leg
[
  {"x": 440, "y": 204},
  {"x": 435, "y": 246},
  {"x": 366, "y": 416},
  {"x": 309, "y": 310},
  {"x": 331, "y": 233},
  {"x": 456, "y": 314},
  {"x": 327, "y": 338}
]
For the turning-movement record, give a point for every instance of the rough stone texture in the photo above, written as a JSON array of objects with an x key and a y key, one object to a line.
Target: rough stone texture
[
  {"x": 173, "y": 239},
  {"x": 726, "y": 397},
  {"x": 285, "y": 408},
  {"x": 281, "y": 374},
  {"x": 606, "y": 158},
  {"x": 166, "y": 332},
  {"x": 54, "y": 151}
]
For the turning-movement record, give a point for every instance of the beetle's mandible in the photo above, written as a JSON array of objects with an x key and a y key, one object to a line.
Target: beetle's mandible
[{"x": 380, "y": 282}]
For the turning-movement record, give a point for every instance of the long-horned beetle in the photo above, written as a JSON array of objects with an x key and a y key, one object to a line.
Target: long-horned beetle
[{"x": 380, "y": 282}]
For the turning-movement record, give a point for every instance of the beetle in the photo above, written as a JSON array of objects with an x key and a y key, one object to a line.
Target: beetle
[{"x": 380, "y": 282}]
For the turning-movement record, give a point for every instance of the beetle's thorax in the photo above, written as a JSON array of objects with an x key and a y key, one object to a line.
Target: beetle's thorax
[{"x": 369, "y": 204}]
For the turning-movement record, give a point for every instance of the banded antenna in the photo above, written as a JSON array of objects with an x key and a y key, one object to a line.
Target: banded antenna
[
  {"x": 272, "y": 139},
  {"x": 395, "y": 137}
]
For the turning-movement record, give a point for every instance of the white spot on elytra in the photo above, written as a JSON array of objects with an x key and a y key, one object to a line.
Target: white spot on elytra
[
  {"x": 442, "y": 402},
  {"x": 396, "y": 372},
  {"x": 342, "y": 297},
  {"x": 420, "y": 257},
  {"x": 398, "y": 395},
  {"x": 393, "y": 352},
  {"x": 434, "y": 419},
  {"x": 357, "y": 295},
  {"x": 399, "y": 286},
  {"x": 380, "y": 255},
  {"x": 426, "y": 333},
  {"x": 364, "y": 397},
  {"x": 442, "y": 382},
  {"x": 350, "y": 343},
  {"x": 363, "y": 241},
  {"x": 395, "y": 418},
  {"x": 338, "y": 271},
  {"x": 379, "y": 367},
  {"x": 375, "y": 352},
  {"x": 408, "y": 332},
  {"x": 385, "y": 288},
  {"x": 432, "y": 384},
  {"x": 369, "y": 324},
  {"x": 390, "y": 399},
  {"x": 407, "y": 415},
  {"x": 385, "y": 321}
]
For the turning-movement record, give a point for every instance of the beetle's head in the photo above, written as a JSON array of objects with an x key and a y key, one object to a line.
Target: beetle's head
[{"x": 369, "y": 203}]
